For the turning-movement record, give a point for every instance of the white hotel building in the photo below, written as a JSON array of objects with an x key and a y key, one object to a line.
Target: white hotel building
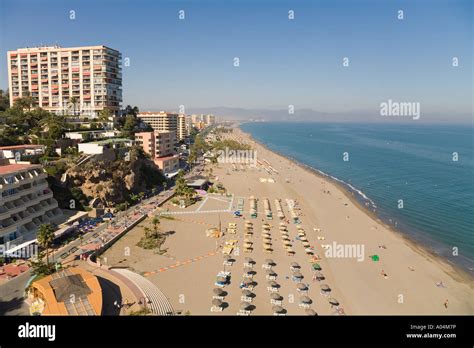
[{"x": 26, "y": 202}]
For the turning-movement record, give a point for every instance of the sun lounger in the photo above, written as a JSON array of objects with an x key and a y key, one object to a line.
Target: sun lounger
[
  {"x": 276, "y": 302},
  {"x": 216, "y": 309},
  {"x": 218, "y": 297},
  {"x": 304, "y": 305},
  {"x": 243, "y": 313},
  {"x": 245, "y": 299},
  {"x": 272, "y": 289},
  {"x": 270, "y": 277},
  {"x": 279, "y": 314}
]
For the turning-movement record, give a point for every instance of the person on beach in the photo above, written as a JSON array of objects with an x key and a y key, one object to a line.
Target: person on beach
[{"x": 446, "y": 304}]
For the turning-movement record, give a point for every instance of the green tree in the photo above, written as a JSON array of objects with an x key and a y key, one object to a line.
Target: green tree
[
  {"x": 4, "y": 100},
  {"x": 74, "y": 101},
  {"x": 155, "y": 222},
  {"x": 104, "y": 117},
  {"x": 45, "y": 238}
]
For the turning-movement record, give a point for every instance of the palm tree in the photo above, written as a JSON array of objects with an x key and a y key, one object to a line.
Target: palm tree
[
  {"x": 74, "y": 101},
  {"x": 155, "y": 222},
  {"x": 45, "y": 238},
  {"x": 104, "y": 117}
]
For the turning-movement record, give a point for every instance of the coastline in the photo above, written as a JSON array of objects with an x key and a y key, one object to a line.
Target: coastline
[{"x": 451, "y": 268}]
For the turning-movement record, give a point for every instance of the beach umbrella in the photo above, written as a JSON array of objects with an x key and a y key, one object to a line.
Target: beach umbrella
[
  {"x": 227, "y": 257},
  {"x": 217, "y": 302},
  {"x": 247, "y": 292},
  {"x": 297, "y": 274},
  {"x": 277, "y": 309},
  {"x": 320, "y": 276},
  {"x": 273, "y": 284},
  {"x": 305, "y": 299},
  {"x": 269, "y": 262},
  {"x": 244, "y": 305},
  {"x": 248, "y": 270},
  {"x": 282, "y": 228},
  {"x": 287, "y": 242},
  {"x": 221, "y": 279},
  {"x": 271, "y": 273},
  {"x": 218, "y": 291},
  {"x": 333, "y": 301},
  {"x": 268, "y": 237},
  {"x": 301, "y": 286},
  {"x": 249, "y": 260},
  {"x": 375, "y": 258},
  {"x": 325, "y": 287},
  {"x": 282, "y": 224},
  {"x": 310, "y": 312},
  {"x": 276, "y": 296},
  {"x": 303, "y": 239},
  {"x": 248, "y": 282},
  {"x": 316, "y": 266},
  {"x": 247, "y": 244},
  {"x": 294, "y": 265}
]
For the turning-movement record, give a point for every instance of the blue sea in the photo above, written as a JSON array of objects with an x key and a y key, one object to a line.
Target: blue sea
[{"x": 388, "y": 163}]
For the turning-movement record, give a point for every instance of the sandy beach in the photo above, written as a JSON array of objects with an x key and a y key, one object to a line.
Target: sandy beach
[{"x": 406, "y": 279}]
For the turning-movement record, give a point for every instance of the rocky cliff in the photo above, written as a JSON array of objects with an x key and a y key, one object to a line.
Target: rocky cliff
[{"x": 114, "y": 182}]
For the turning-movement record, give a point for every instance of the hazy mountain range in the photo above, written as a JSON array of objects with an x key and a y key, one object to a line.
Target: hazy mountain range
[{"x": 310, "y": 115}]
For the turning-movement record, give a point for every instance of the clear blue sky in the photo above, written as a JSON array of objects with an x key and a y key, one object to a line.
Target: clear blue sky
[{"x": 282, "y": 62}]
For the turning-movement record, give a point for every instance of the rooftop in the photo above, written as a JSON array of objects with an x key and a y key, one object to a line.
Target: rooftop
[
  {"x": 109, "y": 141},
  {"x": 13, "y": 168},
  {"x": 20, "y": 147}
]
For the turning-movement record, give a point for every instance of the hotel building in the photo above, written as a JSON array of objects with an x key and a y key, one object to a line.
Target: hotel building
[
  {"x": 54, "y": 75},
  {"x": 161, "y": 121},
  {"x": 182, "y": 129},
  {"x": 161, "y": 147},
  {"x": 26, "y": 201}
]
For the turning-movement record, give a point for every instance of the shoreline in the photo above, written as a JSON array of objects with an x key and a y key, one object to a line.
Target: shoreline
[{"x": 452, "y": 268}]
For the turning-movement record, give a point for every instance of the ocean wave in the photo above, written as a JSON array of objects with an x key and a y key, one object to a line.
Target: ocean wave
[{"x": 352, "y": 188}]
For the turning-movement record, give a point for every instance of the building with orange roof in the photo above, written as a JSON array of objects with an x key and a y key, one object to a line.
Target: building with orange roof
[{"x": 70, "y": 291}]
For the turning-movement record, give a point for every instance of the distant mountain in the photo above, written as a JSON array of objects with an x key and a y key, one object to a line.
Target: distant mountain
[{"x": 310, "y": 115}]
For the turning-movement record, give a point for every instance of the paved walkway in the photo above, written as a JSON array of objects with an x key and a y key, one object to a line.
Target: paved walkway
[{"x": 160, "y": 305}]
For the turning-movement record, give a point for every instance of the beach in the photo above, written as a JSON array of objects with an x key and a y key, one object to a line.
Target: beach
[{"x": 389, "y": 275}]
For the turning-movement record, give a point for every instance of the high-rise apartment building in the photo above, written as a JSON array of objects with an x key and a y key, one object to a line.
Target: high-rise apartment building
[
  {"x": 77, "y": 80},
  {"x": 182, "y": 133}
]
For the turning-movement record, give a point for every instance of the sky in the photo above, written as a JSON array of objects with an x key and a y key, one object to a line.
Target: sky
[{"x": 283, "y": 62}]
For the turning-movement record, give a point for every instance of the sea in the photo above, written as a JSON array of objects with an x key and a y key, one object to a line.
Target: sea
[{"x": 417, "y": 178}]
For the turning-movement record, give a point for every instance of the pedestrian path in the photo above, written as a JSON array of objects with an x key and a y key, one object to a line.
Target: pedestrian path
[{"x": 160, "y": 305}]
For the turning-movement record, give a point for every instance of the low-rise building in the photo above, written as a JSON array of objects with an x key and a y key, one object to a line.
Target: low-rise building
[
  {"x": 52, "y": 294},
  {"x": 160, "y": 145},
  {"x": 19, "y": 151},
  {"x": 99, "y": 147}
]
